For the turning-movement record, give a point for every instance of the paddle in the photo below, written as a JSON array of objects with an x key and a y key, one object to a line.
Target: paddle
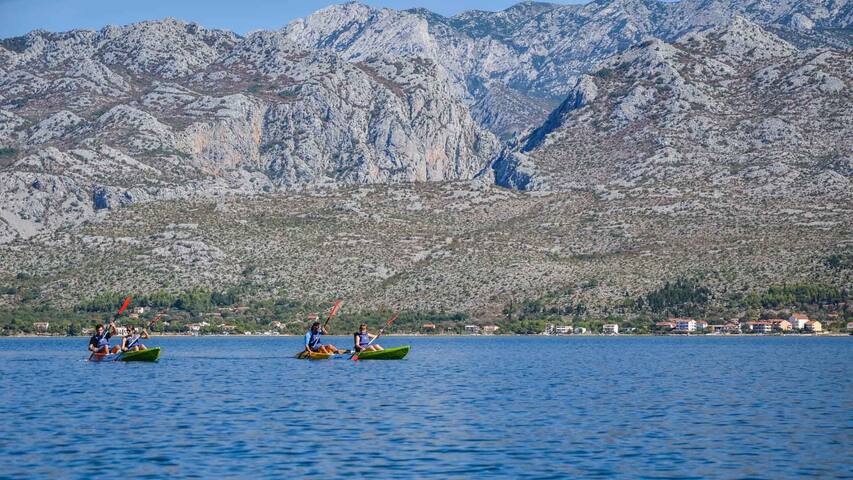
[
  {"x": 121, "y": 310},
  {"x": 332, "y": 312},
  {"x": 150, "y": 324},
  {"x": 381, "y": 330}
]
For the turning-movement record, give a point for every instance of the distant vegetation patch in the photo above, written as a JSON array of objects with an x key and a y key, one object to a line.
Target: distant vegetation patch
[{"x": 683, "y": 297}]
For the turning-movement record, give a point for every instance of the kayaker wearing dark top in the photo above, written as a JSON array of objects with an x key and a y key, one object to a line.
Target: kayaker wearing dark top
[
  {"x": 312, "y": 340},
  {"x": 100, "y": 341},
  {"x": 363, "y": 338},
  {"x": 130, "y": 342}
]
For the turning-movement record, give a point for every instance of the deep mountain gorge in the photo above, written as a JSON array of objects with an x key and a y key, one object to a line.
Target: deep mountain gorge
[{"x": 630, "y": 133}]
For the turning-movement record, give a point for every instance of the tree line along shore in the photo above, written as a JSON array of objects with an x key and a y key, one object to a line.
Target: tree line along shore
[{"x": 232, "y": 311}]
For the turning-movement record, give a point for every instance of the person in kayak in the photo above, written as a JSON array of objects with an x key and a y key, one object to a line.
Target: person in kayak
[
  {"x": 99, "y": 343},
  {"x": 130, "y": 342},
  {"x": 363, "y": 338},
  {"x": 312, "y": 340}
]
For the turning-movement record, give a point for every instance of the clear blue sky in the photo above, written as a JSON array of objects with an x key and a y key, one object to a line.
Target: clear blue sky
[{"x": 20, "y": 16}]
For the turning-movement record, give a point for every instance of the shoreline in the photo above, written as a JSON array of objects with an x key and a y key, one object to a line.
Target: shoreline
[{"x": 584, "y": 335}]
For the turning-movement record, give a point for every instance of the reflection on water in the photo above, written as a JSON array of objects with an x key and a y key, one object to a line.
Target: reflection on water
[{"x": 455, "y": 407}]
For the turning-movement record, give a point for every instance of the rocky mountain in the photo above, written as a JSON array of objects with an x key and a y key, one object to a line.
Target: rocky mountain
[
  {"x": 728, "y": 104},
  {"x": 527, "y": 58},
  {"x": 373, "y": 144},
  {"x": 151, "y": 111}
]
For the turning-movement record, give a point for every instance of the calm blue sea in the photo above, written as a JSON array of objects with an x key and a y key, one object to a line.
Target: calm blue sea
[{"x": 454, "y": 408}]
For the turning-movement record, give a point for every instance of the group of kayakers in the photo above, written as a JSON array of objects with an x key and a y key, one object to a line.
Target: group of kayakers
[
  {"x": 362, "y": 340},
  {"x": 99, "y": 343}
]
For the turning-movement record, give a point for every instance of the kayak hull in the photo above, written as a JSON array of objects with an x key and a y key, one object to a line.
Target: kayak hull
[
  {"x": 387, "y": 354},
  {"x": 303, "y": 355},
  {"x": 149, "y": 355}
]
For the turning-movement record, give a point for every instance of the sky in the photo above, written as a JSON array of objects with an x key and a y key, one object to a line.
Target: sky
[{"x": 18, "y": 17}]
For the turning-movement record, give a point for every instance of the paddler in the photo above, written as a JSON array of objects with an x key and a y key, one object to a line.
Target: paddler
[
  {"x": 363, "y": 338},
  {"x": 312, "y": 340},
  {"x": 130, "y": 342},
  {"x": 99, "y": 343}
]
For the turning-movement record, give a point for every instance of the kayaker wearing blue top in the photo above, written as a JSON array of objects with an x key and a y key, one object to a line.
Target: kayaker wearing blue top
[
  {"x": 130, "y": 342},
  {"x": 100, "y": 341},
  {"x": 312, "y": 340},
  {"x": 363, "y": 338}
]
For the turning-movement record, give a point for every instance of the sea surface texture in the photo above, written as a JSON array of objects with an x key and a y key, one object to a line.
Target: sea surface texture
[{"x": 511, "y": 407}]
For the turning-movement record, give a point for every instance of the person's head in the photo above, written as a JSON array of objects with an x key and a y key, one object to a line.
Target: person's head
[
  {"x": 131, "y": 329},
  {"x": 99, "y": 328},
  {"x": 362, "y": 327},
  {"x": 315, "y": 327}
]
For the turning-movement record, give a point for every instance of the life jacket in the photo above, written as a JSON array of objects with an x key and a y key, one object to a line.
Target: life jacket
[
  {"x": 131, "y": 340},
  {"x": 314, "y": 340},
  {"x": 103, "y": 340},
  {"x": 363, "y": 339}
]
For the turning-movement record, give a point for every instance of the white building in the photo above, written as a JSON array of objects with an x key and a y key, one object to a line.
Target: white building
[
  {"x": 798, "y": 321},
  {"x": 41, "y": 326},
  {"x": 580, "y": 330},
  {"x": 491, "y": 329},
  {"x": 611, "y": 329},
  {"x": 760, "y": 327},
  {"x": 563, "y": 329},
  {"x": 472, "y": 329},
  {"x": 685, "y": 325}
]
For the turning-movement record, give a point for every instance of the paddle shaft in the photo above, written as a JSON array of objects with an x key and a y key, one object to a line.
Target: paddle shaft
[{"x": 150, "y": 324}]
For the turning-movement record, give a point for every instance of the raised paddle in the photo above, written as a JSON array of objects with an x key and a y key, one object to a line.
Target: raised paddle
[
  {"x": 381, "y": 330},
  {"x": 121, "y": 310},
  {"x": 150, "y": 324},
  {"x": 332, "y": 312}
]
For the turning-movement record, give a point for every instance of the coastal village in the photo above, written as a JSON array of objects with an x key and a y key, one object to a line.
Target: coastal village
[{"x": 796, "y": 323}]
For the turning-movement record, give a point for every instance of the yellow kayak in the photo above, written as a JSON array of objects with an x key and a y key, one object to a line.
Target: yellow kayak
[{"x": 314, "y": 355}]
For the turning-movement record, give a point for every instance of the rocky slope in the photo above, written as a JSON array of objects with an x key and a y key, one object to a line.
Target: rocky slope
[
  {"x": 639, "y": 126},
  {"x": 730, "y": 104},
  {"x": 92, "y": 120},
  {"x": 533, "y": 53},
  {"x": 440, "y": 246}
]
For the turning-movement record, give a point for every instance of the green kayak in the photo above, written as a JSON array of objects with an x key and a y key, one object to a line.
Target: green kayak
[
  {"x": 387, "y": 354},
  {"x": 149, "y": 355}
]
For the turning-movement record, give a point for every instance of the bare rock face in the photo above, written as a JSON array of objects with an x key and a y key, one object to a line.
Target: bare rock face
[
  {"x": 159, "y": 106},
  {"x": 526, "y": 58},
  {"x": 730, "y": 105},
  {"x": 357, "y": 95}
]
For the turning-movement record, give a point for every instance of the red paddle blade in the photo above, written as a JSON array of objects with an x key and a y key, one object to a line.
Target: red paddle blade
[
  {"x": 335, "y": 308},
  {"x": 124, "y": 305},
  {"x": 391, "y": 320}
]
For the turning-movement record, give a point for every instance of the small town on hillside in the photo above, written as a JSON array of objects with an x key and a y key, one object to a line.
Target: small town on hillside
[{"x": 797, "y": 323}]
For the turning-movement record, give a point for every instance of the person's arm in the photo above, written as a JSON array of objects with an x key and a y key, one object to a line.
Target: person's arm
[
  {"x": 144, "y": 334},
  {"x": 112, "y": 330},
  {"x": 92, "y": 346},
  {"x": 324, "y": 331},
  {"x": 308, "y": 342},
  {"x": 123, "y": 344}
]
